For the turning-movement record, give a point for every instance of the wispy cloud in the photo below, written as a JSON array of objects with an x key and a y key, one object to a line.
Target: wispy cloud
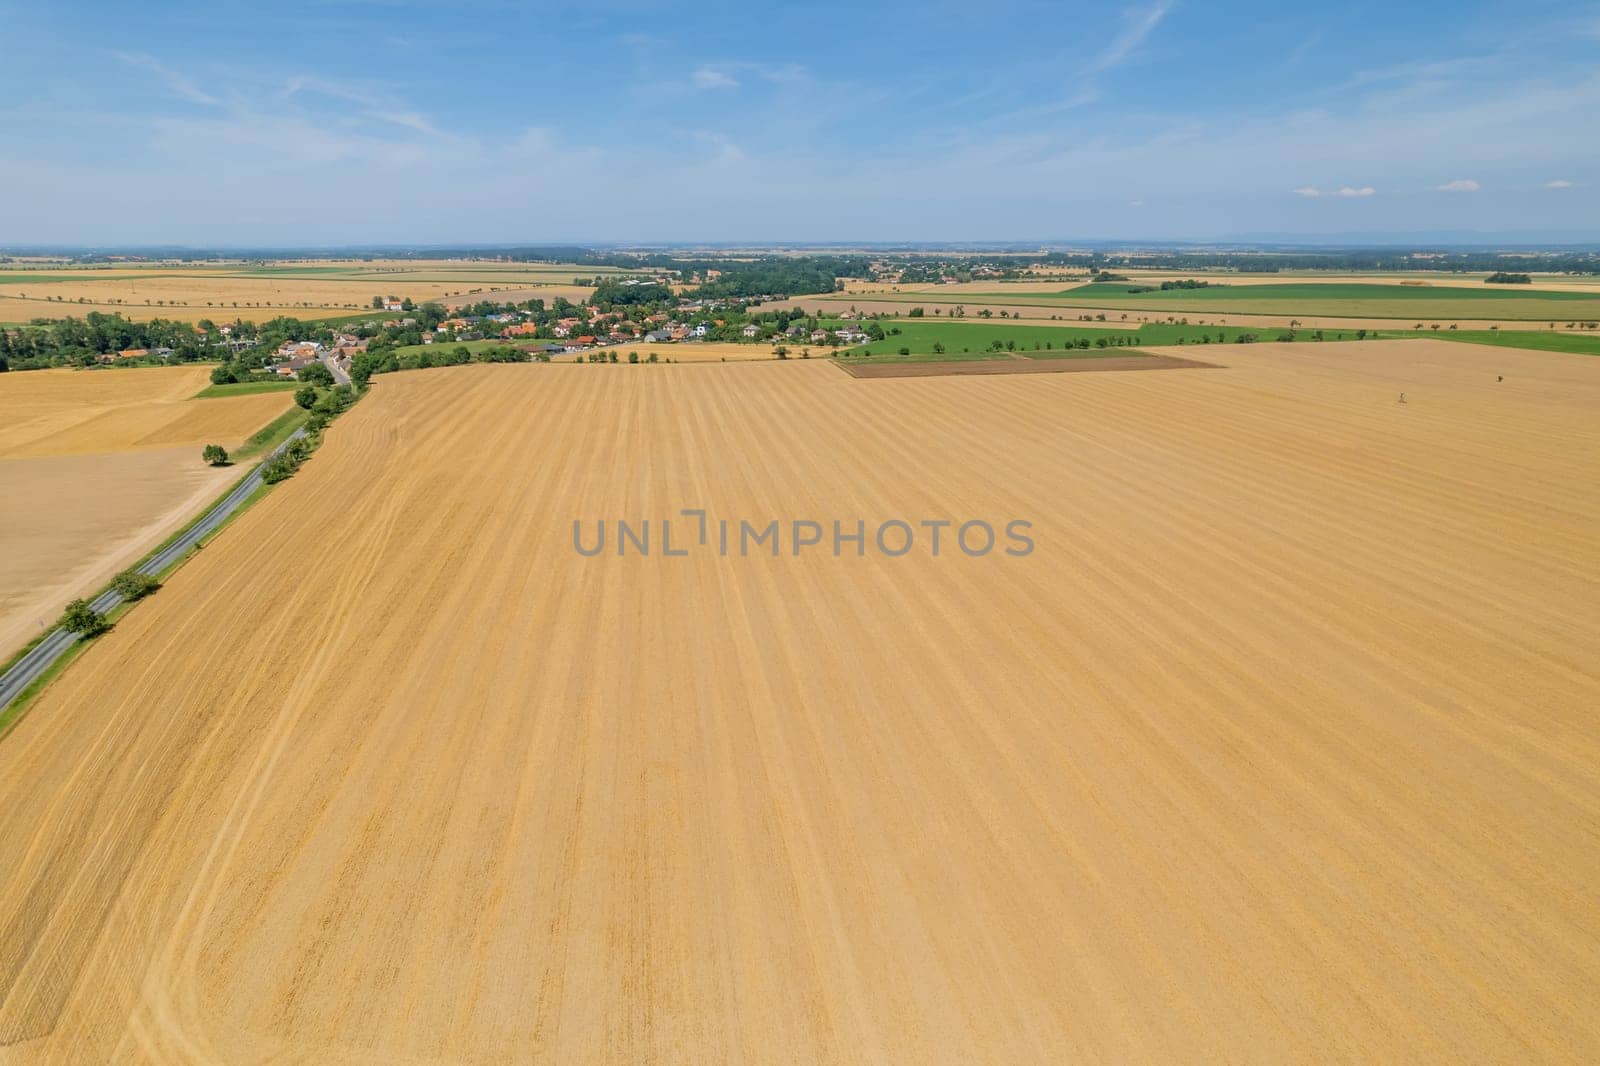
[
  {"x": 1139, "y": 26},
  {"x": 1345, "y": 191},
  {"x": 1559, "y": 183},
  {"x": 712, "y": 78},
  {"x": 1459, "y": 185},
  {"x": 176, "y": 83}
]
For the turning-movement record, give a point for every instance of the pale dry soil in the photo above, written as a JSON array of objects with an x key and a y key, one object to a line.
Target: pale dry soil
[
  {"x": 1280, "y": 746},
  {"x": 97, "y": 467}
]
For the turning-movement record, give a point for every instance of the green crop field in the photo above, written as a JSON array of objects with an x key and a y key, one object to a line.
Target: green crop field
[
  {"x": 976, "y": 340},
  {"x": 1543, "y": 340},
  {"x": 447, "y": 346}
]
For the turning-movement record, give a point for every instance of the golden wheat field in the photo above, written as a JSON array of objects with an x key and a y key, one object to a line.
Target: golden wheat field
[
  {"x": 1279, "y": 746},
  {"x": 96, "y": 467},
  {"x": 312, "y": 289}
]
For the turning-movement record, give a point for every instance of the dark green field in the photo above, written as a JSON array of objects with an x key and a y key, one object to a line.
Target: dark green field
[{"x": 967, "y": 339}]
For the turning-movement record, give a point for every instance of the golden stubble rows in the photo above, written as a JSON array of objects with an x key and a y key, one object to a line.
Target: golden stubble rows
[{"x": 1280, "y": 746}]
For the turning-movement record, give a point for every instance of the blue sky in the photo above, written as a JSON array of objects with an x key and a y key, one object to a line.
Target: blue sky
[{"x": 414, "y": 121}]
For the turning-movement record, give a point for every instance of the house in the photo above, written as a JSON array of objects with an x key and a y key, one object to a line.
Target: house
[
  {"x": 751, "y": 331},
  {"x": 679, "y": 333},
  {"x": 133, "y": 353},
  {"x": 292, "y": 367},
  {"x": 585, "y": 341},
  {"x": 700, "y": 330},
  {"x": 795, "y": 330},
  {"x": 393, "y": 305},
  {"x": 521, "y": 329},
  {"x": 656, "y": 336},
  {"x": 162, "y": 353},
  {"x": 819, "y": 336},
  {"x": 561, "y": 331}
]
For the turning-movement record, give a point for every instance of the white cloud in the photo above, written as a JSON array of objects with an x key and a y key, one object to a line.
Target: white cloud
[
  {"x": 1138, "y": 28},
  {"x": 1308, "y": 192},
  {"x": 711, "y": 78},
  {"x": 1459, "y": 185},
  {"x": 176, "y": 83},
  {"x": 1364, "y": 190},
  {"x": 1559, "y": 183}
]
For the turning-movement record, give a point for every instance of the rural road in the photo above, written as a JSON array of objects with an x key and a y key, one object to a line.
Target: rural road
[
  {"x": 40, "y": 657},
  {"x": 339, "y": 376}
]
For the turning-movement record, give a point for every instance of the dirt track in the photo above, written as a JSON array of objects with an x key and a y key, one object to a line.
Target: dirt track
[{"x": 1281, "y": 745}]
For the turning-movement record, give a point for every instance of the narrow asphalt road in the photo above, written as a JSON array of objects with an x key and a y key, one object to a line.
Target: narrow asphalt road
[
  {"x": 338, "y": 372},
  {"x": 42, "y": 655}
]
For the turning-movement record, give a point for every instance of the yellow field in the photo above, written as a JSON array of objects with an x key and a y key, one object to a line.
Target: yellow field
[
  {"x": 223, "y": 292},
  {"x": 72, "y": 412},
  {"x": 1280, "y": 746},
  {"x": 96, "y": 467}
]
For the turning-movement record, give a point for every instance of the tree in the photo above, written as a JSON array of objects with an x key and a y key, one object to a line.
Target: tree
[
  {"x": 633, "y": 357},
  {"x": 938, "y": 347},
  {"x": 132, "y": 585},
  {"x": 223, "y": 375},
  {"x": 305, "y": 396},
  {"x": 215, "y": 454},
  {"x": 377, "y": 302},
  {"x": 905, "y": 351},
  {"x": 316, "y": 374},
  {"x": 83, "y": 620}
]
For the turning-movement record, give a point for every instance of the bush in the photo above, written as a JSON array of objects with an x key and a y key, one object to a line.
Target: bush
[
  {"x": 316, "y": 374},
  {"x": 305, "y": 396},
  {"x": 223, "y": 375},
  {"x": 132, "y": 585},
  {"x": 215, "y": 454},
  {"x": 83, "y": 620}
]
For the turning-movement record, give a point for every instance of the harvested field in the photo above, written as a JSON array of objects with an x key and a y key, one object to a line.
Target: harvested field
[
  {"x": 975, "y": 367},
  {"x": 74, "y": 521},
  {"x": 76, "y": 412},
  {"x": 307, "y": 290},
  {"x": 97, "y": 466},
  {"x": 1280, "y": 746},
  {"x": 706, "y": 352}
]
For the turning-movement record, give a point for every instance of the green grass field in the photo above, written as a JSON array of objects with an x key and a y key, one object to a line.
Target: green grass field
[
  {"x": 272, "y": 434},
  {"x": 1543, "y": 341},
  {"x": 445, "y": 346},
  {"x": 244, "y": 388},
  {"x": 967, "y": 339},
  {"x": 1331, "y": 300}
]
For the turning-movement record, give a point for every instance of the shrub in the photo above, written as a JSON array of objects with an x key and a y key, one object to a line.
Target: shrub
[
  {"x": 316, "y": 374},
  {"x": 215, "y": 454},
  {"x": 83, "y": 620},
  {"x": 305, "y": 396},
  {"x": 132, "y": 585}
]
